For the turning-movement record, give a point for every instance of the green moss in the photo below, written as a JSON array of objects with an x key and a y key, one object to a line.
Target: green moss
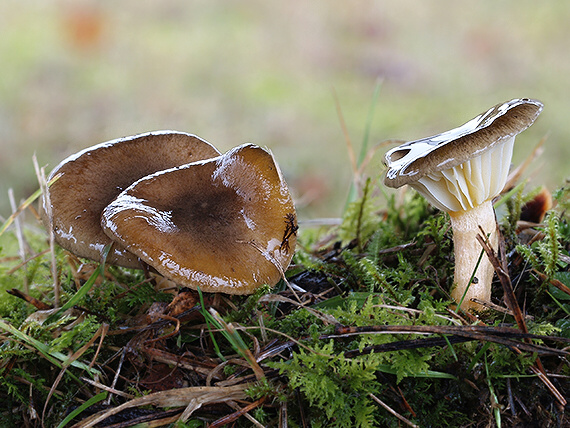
[{"x": 386, "y": 265}]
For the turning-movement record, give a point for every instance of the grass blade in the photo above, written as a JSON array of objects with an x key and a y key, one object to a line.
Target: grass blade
[{"x": 93, "y": 400}]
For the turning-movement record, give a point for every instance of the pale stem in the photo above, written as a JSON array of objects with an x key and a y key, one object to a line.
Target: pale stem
[{"x": 467, "y": 251}]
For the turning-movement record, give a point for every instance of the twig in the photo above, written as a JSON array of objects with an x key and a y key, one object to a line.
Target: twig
[
  {"x": 501, "y": 335},
  {"x": 403, "y": 419},
  {"x": 553, "y": 281},
  {"x": 497, "y": 308},
  {"x": 505, "y": 280},
  {"x": 510, "y": 299},
  {"x": 240, "y": 412},
  {"x": 116, "y": 377},
  {"x": 38, "y": 304},
  {"x": 107, "y": 388},
  {"x": 283, "y": 415},
  {"x": 405, "y": 344}
]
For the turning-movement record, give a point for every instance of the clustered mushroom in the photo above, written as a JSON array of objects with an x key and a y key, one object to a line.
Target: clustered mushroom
[
  {"x": 460, "y": 172},
  {"x": 221, "y": 222},
  {"x": 227, "y": 222}
]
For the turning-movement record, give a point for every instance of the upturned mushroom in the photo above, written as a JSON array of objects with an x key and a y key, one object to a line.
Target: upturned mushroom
[
  {"x": 460, "y": 171},
  {"x": 227, "y": 224},
  {"x": 89, "y": 180}
]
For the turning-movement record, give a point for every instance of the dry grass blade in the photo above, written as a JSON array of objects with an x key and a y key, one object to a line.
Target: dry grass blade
[
  {"x": 153, "y": 420},
  {"x": 182, "y": 397},
  {"x": 41, "y": 176},
  {"x": 22, "y": 244},
  {"x": 463, "y": 330},
  {"x": 25, "y": 262},
  {"x": 326, "y": 318},
  {"x": 181, "y": 361},
  {"x": 100, "y": 332},
  {"x": 349, "y": 146},
  {"x": 497, "y": 308},
  {"x": 24, "y": 205},
  {"x": 539, "y": 371},
  {"x": 233, "y": 337}
]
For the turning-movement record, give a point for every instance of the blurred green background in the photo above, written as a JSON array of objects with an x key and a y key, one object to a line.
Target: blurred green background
[{"x": 74, "y": 73}]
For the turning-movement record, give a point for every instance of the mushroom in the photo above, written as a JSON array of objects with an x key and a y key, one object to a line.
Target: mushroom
[
  {"x": 225, "y": 224},
  {"x": 460, "y": 171},
  {"x": 92, "y": 178}
]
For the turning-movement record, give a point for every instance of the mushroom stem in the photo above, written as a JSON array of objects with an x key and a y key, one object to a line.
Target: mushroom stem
[{"x": 467, "y": 249}]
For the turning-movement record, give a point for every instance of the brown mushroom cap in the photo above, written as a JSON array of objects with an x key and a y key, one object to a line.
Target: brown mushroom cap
[
  {"x": 91, "y": 179},
  {"x": 226, "y": 224},
  {"x": 413, "y": 160}
]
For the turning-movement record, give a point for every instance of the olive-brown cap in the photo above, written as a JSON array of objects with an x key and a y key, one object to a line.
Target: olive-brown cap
[
  {"x": 89, "y": 180},
  {"x": 226, "y": 224},
  {"x": 459, "y": 169}
]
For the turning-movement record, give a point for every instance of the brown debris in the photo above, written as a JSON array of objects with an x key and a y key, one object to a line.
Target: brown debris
[
  {"x": 38, "y": 304},
  {"x": 191, "y": 398},
  {"x": 535, "y": 209}
]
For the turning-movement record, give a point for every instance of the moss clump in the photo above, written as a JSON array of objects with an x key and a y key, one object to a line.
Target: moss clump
[{"x": 326, "y": 352}]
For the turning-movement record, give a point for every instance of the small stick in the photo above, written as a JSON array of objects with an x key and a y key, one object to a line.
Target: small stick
[
  {"x": 107, "y": 388},
  {"x": 38, "y": 304},
  {"x": 501, "y": 335},
  {"x": 240, "y": 412},
  {"x": 503, "y": 275},
  {"x": 403, "y": 419},
  {"x": 553, "y": 281},
  {"x": 513, "y": 305}
]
